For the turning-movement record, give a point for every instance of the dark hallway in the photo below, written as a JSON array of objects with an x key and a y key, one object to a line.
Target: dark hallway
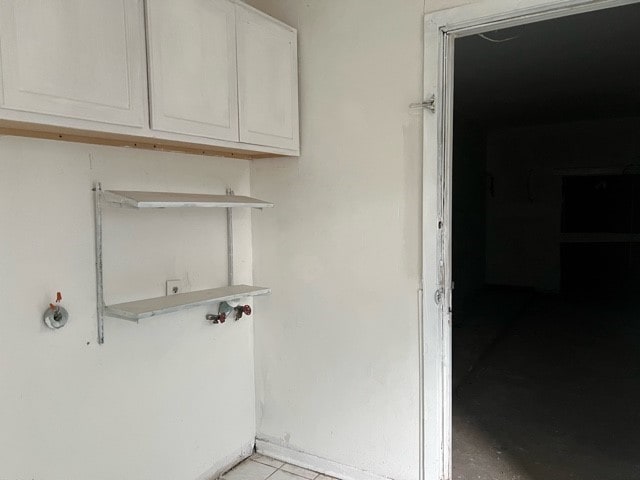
[{"x": 546, "y": 251}]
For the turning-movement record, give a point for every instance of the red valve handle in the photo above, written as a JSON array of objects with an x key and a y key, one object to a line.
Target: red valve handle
[
  {"x": 222, "y": 317},
  {"x": 246, "y": 309},
  {"x": 58, "y": 300}
]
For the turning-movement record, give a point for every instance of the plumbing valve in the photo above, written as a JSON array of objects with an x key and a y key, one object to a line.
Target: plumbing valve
[
  {"x": 215, "y": 319},
  {"x": 237, "y": 311},
  {"x": 242, "y": 309},
  {"x": 56, "y": 316}
]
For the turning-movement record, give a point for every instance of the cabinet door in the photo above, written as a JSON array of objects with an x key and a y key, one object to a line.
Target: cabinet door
[
  {"x": 79, "y": 59},
  {"x": 267, "y": 81},
  {"x": 192, "y": 67}
]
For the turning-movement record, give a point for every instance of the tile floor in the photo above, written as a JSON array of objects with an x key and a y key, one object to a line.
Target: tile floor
[{"x": 259, "y": 467}]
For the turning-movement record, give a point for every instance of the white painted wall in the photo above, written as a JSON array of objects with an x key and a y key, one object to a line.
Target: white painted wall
[
  {"x": 170, "y": 398},
  {"x": 337, "y": 344}
]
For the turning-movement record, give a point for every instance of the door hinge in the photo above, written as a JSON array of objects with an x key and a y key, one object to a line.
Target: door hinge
[
  {"x": 437, "y": 297},
  {"x": 428, "y": 104}
]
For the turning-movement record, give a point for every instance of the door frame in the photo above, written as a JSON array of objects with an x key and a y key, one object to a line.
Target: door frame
[{"x": 440, "y": 31}]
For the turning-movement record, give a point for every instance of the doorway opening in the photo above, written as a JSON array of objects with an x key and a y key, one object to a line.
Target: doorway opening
[{"x": 545, "y": 249}]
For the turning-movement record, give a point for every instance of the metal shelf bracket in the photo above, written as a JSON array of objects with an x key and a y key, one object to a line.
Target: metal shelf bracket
[
  {"x": 161, "y": 200},
  {"x": 230, "y": 241},
  {"x": 97, "y": 199}
]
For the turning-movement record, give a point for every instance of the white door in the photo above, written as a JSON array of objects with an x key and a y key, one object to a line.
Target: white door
[
  {"x": 192, "y": 67},
  {"x": 79, "y": 59},
  {"x": 267, "y": 81}
]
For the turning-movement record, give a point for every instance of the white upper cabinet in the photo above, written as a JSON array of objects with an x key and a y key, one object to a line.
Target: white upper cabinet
[
  {"x": 78, "y": 59},
  {"x": 267, "y": 81},
  {"x": 192, "y": 67},
  {"x": 203, "y": 76}
]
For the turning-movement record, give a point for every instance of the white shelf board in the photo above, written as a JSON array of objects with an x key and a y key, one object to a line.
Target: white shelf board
[
  {"x": 590, "y": 171},
  {"x": 133, "y": 199},
  {"x": 173, "y": 303},
  {"x": 599, "y": 237}
]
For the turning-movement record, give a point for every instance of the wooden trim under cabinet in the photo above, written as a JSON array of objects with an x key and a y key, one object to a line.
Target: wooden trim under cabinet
[{"x": 50, "y": 132}]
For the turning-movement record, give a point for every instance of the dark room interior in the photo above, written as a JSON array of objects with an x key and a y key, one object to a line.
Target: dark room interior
[{"x": 546, "y": 250}]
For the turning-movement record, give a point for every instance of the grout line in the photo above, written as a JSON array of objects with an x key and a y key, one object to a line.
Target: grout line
[
  {"x": 274, "y": 472},
  {"x": 299, "y": 476},
  {"x": 280, "y": 469},
  {"x": 261, "y": 463}
]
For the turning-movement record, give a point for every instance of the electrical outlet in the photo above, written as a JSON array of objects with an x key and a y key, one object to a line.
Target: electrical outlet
[{"x": 174, "y": 286}]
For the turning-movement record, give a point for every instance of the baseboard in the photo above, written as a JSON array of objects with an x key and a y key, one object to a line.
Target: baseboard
[
  {"x": 312, "y": 462},
  {"x": 227, "y": 463}
]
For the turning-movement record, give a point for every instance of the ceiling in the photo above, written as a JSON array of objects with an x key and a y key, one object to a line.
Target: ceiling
[{"x": 582, "y": 66}]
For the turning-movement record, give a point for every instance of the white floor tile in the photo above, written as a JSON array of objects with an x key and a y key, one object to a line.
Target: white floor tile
[
  {"x": 250, "y": 470},
  {"x": 282, "y": 475},
  {"x": 303, "y": 472},
  {"x": 267, "y": 460}
]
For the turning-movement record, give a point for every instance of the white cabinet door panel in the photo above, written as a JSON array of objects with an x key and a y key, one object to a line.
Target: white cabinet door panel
[
  {"x": 81, "y": 59},
  {"x": 267, "y": 81},
  {"x": 192, "y": 67}
]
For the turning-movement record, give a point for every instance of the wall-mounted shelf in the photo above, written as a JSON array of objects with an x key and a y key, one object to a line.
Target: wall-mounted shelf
[
  {"x": 631, "y": 169},
  {"x": 599, "y": 237},
  {"x": 151, "y": 307},
  {"x": 178, "y": 200}
]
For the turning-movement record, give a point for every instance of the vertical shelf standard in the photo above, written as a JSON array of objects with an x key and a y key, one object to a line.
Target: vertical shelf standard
[{"x": 146, "y": 308}]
